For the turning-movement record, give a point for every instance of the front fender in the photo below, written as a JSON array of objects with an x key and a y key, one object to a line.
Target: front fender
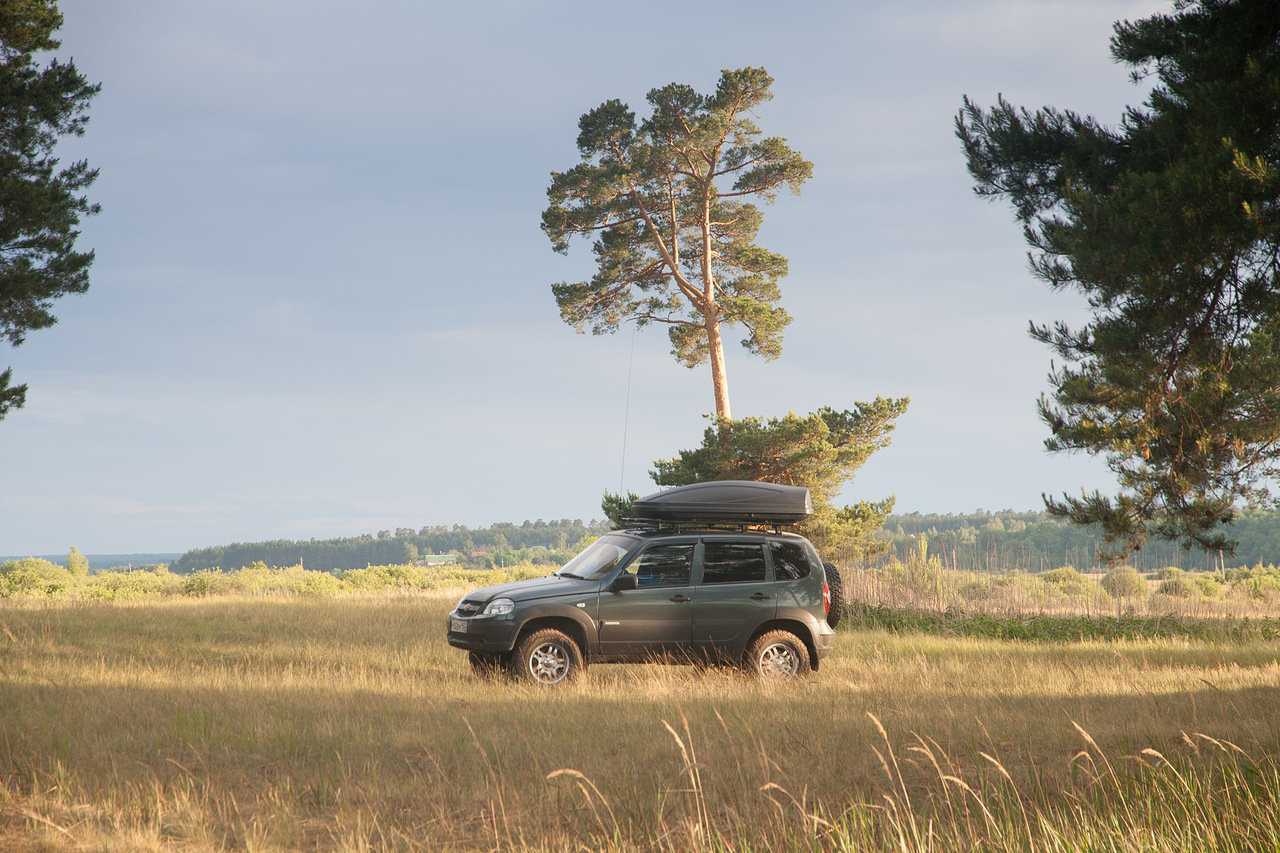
[{"x": 576, "y": 618}]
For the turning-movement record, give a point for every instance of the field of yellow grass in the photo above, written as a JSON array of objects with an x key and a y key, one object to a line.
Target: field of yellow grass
[{"x": 347, "y": 723}]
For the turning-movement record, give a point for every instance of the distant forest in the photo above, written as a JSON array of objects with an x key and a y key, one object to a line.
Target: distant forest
[
  {"x": 533, "y": 541},
  {"x": 1035, "y": 541},
  {"x": 979, "y": 541}
]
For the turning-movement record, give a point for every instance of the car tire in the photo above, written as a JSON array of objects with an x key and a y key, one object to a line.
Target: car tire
[
  {"x": 547, "y": 657},
  {"x": 486, "y": 664},
  {"x": 836, "y": 588},
  {"x": 777, "y": 656}
]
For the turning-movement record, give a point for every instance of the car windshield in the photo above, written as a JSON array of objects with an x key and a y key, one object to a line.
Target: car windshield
[{"x": 599, "y": 557}]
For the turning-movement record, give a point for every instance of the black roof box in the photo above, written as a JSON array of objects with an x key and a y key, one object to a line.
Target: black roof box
[{"x": 741, "y": 501}]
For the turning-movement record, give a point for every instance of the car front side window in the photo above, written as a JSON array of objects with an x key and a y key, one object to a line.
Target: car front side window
[{"x": 663, "y": 565}]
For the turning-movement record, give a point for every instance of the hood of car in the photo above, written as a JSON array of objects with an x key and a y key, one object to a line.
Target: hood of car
[{"x": 534, "y": 588}]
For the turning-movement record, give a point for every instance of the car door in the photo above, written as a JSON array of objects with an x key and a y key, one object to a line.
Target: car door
[
  {"x": 734, "y": 594},
  {"x": 657, "y": 616}
]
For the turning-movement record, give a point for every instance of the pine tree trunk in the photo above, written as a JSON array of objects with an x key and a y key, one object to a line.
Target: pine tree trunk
[
  {"x": 715, "y": 353},
  {"x": 711, "y": 317}
]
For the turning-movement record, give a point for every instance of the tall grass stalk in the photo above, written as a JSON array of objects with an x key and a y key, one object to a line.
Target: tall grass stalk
[{"x": 346, "y": 723}]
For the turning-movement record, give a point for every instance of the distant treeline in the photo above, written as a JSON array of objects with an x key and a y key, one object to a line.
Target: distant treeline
[
  {"x": 979, "y": 541},
  {"x": 403, "y": 545},
  {"x": 1035, "y": 541}
]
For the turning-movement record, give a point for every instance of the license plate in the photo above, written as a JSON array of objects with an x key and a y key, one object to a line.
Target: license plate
[{"x": 458, "y": 626}]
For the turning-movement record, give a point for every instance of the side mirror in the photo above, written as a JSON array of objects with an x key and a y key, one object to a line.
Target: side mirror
[{"x": 625, "y": 581}]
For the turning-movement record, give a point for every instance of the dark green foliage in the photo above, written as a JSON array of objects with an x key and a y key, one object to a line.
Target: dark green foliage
[
  {"x": 1034, "y": 541},
  {"x": 821, "y": 450},
  {"x": 1042, "y": 628},
  {"x": 1169, "y": 224},
  {"x": 40, "y": 203},
  {"x": 617, "y": 508},
  {"x": 534, "y": 541},
  {"x": 666, "y": 201}
]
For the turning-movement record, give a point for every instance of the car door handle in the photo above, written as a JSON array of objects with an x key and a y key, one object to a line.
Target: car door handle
[
  {"x": 759, "y": 596},
  {"x": 680, "y": 598}
]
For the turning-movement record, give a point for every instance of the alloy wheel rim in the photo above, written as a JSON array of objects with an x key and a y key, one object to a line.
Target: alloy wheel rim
[
  {"x": 549, "y": 663},
  {"x": 779, "y": 661}
]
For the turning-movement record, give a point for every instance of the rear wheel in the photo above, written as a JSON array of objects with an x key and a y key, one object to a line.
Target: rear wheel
[
  {"x": 835, "y": 589},
  {"x": 777, "y": 656},
  {"x": 546, "y": 657}
]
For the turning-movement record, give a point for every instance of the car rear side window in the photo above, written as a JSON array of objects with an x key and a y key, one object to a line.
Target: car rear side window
[
  {"x": 732, "y": 562},
  {"x": 790, "y": 562}
]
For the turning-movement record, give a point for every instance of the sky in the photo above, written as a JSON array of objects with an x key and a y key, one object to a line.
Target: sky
[{"x": 321, "y": 301}]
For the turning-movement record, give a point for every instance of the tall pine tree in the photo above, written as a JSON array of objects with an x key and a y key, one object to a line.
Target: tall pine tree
[
  {"x": 669, "y": 203},
  {"x": 1169, "y": 225},
  {"x": 40, "y": 202}
]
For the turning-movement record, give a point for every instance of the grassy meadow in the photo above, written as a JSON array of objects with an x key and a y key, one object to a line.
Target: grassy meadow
[{"x": 286, "y": 722}]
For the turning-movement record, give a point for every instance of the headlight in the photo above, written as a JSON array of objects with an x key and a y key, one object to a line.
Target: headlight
[{"x": 499, "y": 607}]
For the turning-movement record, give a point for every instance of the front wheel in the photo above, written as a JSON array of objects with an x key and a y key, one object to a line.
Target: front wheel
[
  {"x": 777, "y": 656},
  {"x": 546, "y": 657}
]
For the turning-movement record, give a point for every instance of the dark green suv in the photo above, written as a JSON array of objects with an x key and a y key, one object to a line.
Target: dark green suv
[{"x": 707, "y": 576}]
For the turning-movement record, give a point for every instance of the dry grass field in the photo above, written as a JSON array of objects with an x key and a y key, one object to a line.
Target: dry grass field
[{"x": 346, "y": 723}]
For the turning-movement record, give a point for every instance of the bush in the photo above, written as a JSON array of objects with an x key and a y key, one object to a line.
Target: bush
[
  {"x": 1177, "y": 586},
  {"x": 1069, "y": 583},
  {"x": 1208, "y": 585},
  {"x": 257, "y": 579},
  {"x": 377, "y": 578},
  {"x": 1259, "y": 582},
  {"x": 34, "y": 577},
  {"x": 213, "y": 582},
  {"x": 122, "y": 584},
  {"x": 1124, "y": 582}
]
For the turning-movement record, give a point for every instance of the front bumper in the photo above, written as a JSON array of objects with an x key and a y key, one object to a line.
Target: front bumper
[{"x": 480, "y": 633}]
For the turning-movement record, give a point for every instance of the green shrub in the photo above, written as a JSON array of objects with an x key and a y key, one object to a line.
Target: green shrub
[
  {"x": 378, "y": 578},
  {"x": 34, "y": 577},
  {"x": 213, "y": 582},
  {"x": 1177, "y": 586},
  {"x": 123, "y": 584},
  {"x": 1259, "y": 582},
  {"x": 1124, "y": 582},
  {"x": 1208, "y": 585},
  {"x": 258, "y": 579},
  {"x": 1067, "y": 583}
]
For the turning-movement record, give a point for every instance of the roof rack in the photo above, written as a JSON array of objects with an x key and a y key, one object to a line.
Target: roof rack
[{"x": 692, "y": 524}]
